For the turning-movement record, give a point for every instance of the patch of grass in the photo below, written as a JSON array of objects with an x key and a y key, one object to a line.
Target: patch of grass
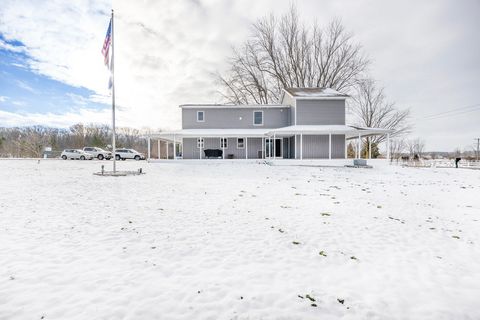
[
  {"x": 326, "y": 214},
  {"x": 295, "y": 242},
  {"x": 456, "y": 237},
  {"x": 310, "y": 298},
  {"x": 322, "y": 253}
]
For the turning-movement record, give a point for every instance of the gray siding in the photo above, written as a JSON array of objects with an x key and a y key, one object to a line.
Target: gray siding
[
  {"x": 234, "y": 118},
  {"x": 288, "y": 100},
  {"x": 254, "y": 145},
  {"x": 190, "y": 150},
  {"x": 316, "y": 147},
  {"x": 320, "y": 112},
  {"x": 338, "y": 146}
]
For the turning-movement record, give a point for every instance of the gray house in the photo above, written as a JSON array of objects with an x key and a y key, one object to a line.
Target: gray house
[{"x": 309, "y": 123}]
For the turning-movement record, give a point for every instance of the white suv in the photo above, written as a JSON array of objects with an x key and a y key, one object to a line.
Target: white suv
[
  {"x": 75, "y": 154},
  {"x": 128, "y": 154},
  {"x": 98, "y": 153}
]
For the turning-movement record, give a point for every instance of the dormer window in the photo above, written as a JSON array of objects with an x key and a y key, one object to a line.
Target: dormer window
[
  {"x": 200, "y": 116},
  {"x": 258, "y": 118}
]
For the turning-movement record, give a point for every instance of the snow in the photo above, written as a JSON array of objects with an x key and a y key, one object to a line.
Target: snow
[{"x": 213, "y": 240}]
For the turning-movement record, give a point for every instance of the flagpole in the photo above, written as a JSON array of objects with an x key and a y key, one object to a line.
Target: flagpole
[{"x": 113, "y": 102}]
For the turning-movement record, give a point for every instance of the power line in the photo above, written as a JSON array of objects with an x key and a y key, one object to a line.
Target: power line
[{"x": 453, "y": 112}]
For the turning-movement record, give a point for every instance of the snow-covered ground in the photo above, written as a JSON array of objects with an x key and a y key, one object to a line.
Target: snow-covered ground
[{"x": 238, "y": 241}]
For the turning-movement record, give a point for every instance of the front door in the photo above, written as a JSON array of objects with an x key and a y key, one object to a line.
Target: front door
[{"x": 270, "y": 149}]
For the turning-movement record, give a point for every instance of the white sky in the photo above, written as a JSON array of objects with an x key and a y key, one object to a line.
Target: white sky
[{"x": 425, "y": 53}]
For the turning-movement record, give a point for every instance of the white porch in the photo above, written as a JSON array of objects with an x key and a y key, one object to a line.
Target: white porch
[{"x": 282, "y": 143}]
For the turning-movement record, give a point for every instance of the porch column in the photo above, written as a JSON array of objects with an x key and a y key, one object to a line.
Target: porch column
[
  {"x": 148, "y": 148},
  {"x": 288, "y": 157},
  {"x": 329, "y": 146},
  {"x": 388, "y": 146},
  {"x": 181, "y": 141},
  {"x": 263, "y": 148},
  {"x": 369, "y": 148},
  {"x": 295, "y": 145},
  {"x": 166, "y": 142},
  {"x": 346, "y": 147},
  {"x": 222, "y": 144},
  {"x": 201, "y": 147},
  {"x": 158, "y": 149},
  {"x": 246, "y": 147},
  {"x": 174, "y": 147},
  {"x": 274, "y": 146},
  {"x": 358, "y": 146},
  {"x": 301, "y": 146}
]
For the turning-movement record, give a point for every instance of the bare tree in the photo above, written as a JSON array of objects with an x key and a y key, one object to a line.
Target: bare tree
[
  {"x": 416, "y": 148},
  {"x": 397, "y": 147},
  {"x": 285, "y": 53},
  {"x": 370, "y": 108}
]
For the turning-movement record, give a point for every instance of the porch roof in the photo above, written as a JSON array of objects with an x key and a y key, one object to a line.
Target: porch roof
[
  {"x": 348, "y": 131},
  {"x": 209, "y": 133}
]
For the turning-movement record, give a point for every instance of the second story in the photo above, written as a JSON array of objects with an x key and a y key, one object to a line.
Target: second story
[
  {"x": 211, "y": 116},
  {"x": 299, "y": 106}
]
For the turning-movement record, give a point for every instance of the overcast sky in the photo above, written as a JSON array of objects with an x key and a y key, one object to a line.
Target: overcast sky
[{"x": 425, "y": 53}]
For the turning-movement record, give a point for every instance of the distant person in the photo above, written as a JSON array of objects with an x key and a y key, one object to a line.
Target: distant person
[{"x": 457, "y": 160}]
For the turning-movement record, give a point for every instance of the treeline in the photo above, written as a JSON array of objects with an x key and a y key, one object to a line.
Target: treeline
[{"x": 26, "y": 142}]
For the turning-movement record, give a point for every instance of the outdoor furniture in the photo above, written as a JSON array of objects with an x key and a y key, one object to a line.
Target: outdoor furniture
[
  {"x": 359, "y": 162},
  {"x": 213, "y": 153}
]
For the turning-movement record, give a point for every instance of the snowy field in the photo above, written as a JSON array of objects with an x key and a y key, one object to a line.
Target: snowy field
[{"x": 238, "y": 241}]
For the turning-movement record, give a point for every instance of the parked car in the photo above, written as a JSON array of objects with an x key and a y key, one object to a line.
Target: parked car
[
  {"x": 98, "y": 153},
  {"x": 128, "y": 154},
  {"x": 75, "y": 154}
]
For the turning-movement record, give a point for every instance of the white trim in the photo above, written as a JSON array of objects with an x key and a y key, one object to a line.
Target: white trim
[
  {"x": 243, "y": 147},
  {"x": 222, "y": 145},
  {"x": 301, "y": 146},
  {"x": 295, "y": 110},
  {"x": 200, "y": 143},
  {"x": 148, "y": 146},
  {"x": 246, "y": 147},
  {"x": 261, "y": 124},
  {"x": 203, "y": 113}
]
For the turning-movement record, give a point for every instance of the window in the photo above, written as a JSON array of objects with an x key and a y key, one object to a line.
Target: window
[
  {"x": 200, "y": 116},
  {"x": 200, "y": 143},
  {"x": 240, "y": 143},
  {"x": 223, "y": 143},
  {"x": 258, "y": 118}
]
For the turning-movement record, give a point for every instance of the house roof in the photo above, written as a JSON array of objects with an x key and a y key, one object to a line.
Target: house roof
[
  {"x": 223, "y": 106},
  {"x": 315, "y": 93}
]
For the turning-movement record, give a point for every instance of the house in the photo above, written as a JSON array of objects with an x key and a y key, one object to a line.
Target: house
[{"x": 309, "y": 123}]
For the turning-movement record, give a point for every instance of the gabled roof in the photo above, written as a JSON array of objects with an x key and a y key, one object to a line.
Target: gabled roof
[{"x": 314, "y": 93}]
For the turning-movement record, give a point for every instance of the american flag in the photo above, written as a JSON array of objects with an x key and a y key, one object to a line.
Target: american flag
[{"x": 106, "y": 44}]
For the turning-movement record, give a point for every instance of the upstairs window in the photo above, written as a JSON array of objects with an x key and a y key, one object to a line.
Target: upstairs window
[
  {"x": 200, "y": 143},
  {"x": 224, "y": 143},
  {"x": 200, "y": 116},
  {"x": 258, "y": 118},
  {"x": 240, "y": 143}
]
